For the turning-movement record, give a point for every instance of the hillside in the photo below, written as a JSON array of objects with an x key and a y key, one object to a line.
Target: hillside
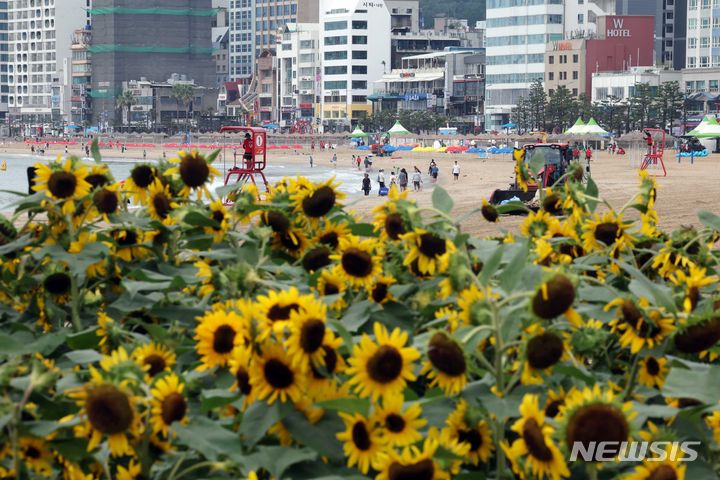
[{"x": 473, "y": 10}]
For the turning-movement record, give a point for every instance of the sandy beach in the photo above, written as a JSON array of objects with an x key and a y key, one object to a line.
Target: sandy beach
[{"x": 686, "y": 190}]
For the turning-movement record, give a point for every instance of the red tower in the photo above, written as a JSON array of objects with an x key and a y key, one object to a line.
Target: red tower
[{"x": 256, "y": 164}]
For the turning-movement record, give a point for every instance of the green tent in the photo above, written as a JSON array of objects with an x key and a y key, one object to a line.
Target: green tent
[
  {"x": 592, "y": 128},
  {"x": 708, "y": 128},
  {"x": 358, "y": 133},
  {"x": 577, "y": 128},
  {"x": 399, "y": 131}
]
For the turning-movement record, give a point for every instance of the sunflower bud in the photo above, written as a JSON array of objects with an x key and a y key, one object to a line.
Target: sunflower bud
[
  {"x": 489, "y": 212},
  {"x": 554, "y": 297},
  {"x": 699, "y": 337}
]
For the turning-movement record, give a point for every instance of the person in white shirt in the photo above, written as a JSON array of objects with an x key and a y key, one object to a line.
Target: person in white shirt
[
  {"x": 381, "y": 178},
  {"x": 456, "y": 171}
]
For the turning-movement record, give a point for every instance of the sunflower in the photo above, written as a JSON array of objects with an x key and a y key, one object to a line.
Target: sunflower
[
  {"x": 317, "y": 200},
  {"x": 400, "y": 427},
  {"x": 652, "y": 371},
  {"x": 534, "y": 451},
  {"x": 241, "y": 364},
  {"x": 329, "y": 236},
  {"x": 274, "y": 377},
  {"x": 713, "y": 422},
  {"x": 154, "y": 358},
  {"x": 168, "y": 405},
  {"x": 36, "y": 455},
  {"x": 273, "y": 310},
  {"x": 473, "y": 436},
  {"x": 413, "y": 463},
  {"x": 293, "y": 241},
  {"x": 538, "y": 224},
  {"x": 358, "y": 263},
  {"x": 308, "y": 333},
  {"x": 700, "y": 336},
  {"x": 139, "y": 181},
  {"x": 316, "y": 258},
  {"x": 446, "y": 366},
  {"x": 522, "y": 174},
  {"x": 693, "y": 281},
  {"x": 553, "y": 402},
  {"x": 205, "y": 274},
  {"x": 652, "y": 469},
  {"x": 555, "y": 297},
  {"x": 593, "y": 415},
  {"x": 217, "y": 334},
  {"x": 63, "y": 182},
  {"x": 127, "y": 244},
  {"x": 638, "y": 325},
  {"x": 669, "y": 259},
  {"x": 389, "y": 222},
  {"x": 321, "y": 383},
  {"x": 99, "y": 176},
  {"x": 328, "y": 284},
  {"x": 473, "y": 306},
  {"x": 160, "y": 203},
  {"x": 383, "y": 367},
  {"x": 363, "y": 443},
  {"x": 489, "y": 212},
  {"x": 195, "y": 172},
  {"x": 607, "y": 230},
  {"x": 379, "y": 291},
  {"x": 543, "y": 349},
  {"x": 106, "y": 201},
  {"x": 131, "y": 472},
  {"x": 221, "y": 217},
  {"x": 429, "y": 253}
]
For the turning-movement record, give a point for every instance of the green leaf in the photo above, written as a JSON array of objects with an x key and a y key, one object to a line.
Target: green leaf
[
  {"x": 702, "y": 383},
  {"x": 347, "y": 405},
  {"x": 87, "y": 339},
  {"x": 491, "y": 265},
  {"x": 358, "y": 315},
  {"x": 277, "y": 460},
  {"x": 642, "y": 286},
  {"x": 320, "y": 436},
  {"x": 95, "y": 150},
  {"x": 197, "y": 219},
  {"x": 514, "y": 270},
  {"x": 512, "y": 207},
  {"x": 212, "y": 399},
  {"x": 592, "y": 191},
  {"x": 709, "y": 219},
  {"x": 441, "y": 200},
  {"x": 256, "y": 421},
  {"x": 211, "y": 439},
  {"x": 83, "y": 357},
  {"x": 363, "y": 229}
]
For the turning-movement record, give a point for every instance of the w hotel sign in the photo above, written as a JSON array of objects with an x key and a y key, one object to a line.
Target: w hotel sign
[
  {"x": 626, "y": 27},
  {"x": 616, "y": 28}
]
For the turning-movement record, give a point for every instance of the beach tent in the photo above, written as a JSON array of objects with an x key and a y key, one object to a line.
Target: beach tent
[
  {"x": 708, "y": 128},
  {"x": 509, "y": 125},
  {"x": 592, "y": 128},
  {"x": 399, "y": 131},
  {"x": 578, "y": 128},
  {"x": 358, "y": 133}
]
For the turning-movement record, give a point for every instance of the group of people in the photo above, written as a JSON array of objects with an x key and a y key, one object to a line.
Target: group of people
[{"x": 401, "y": 177}]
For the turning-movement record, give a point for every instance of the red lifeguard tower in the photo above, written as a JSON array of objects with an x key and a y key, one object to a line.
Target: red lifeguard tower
[
  {"x": 250, "y": 167},
  {"x": 653, "y": 159}
]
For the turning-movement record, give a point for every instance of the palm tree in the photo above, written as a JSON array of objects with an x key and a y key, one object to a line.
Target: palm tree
[
  {"x": 183, "y": 93},
  {"x": 125, "y": 101}
]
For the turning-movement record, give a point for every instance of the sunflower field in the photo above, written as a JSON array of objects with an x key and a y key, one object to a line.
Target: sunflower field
[{"x": 291, "y": 338}]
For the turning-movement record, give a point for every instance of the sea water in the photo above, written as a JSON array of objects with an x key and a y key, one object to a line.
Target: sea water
[{"x": 15, "y": 177}]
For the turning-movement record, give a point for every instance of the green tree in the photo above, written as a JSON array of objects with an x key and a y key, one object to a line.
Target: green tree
[
  {"x": 537, "y": 101},
  {"x": 610, "y": 113},
  {"x": 561, "y": 109},
  {"x": 520, "y": 115},
  {"x": 668, "y": 103},
  {"x": 183, "y": 93},
  {"x": 641, "y": 107},
  {"x": 125, "y": 101}
]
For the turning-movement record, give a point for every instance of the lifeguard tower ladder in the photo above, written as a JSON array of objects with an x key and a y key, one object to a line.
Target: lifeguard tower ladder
[{"x": 653, "y": 159}]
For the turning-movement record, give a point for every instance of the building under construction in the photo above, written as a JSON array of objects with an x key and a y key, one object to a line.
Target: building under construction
[{"x": 153, "y": 39}]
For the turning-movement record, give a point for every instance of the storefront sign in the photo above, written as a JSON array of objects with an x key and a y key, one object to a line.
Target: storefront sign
[{"x": 414, "y": 97}]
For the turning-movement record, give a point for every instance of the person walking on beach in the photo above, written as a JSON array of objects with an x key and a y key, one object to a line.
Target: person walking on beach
[
  {"x": 434, "y": 170},
  {"x": 381, "y": 178},
  {"x": 393, "y": 178},
  {"x": 144, "y": 154},
  {"x": 417, "y": 179},
  {"x": 311, "y": 161},
  {"x": 430, "y": 167},
  {"x": 66, "y": 150},
  {"x": 357, "y": 160},
  {"x": 334, "y": 160},
  {"x": 403, "y": 179},
  {"x": 366, "y": 185},
  {"x": 366, "y": 162},
  {"x": 649, "y": 141},
  {"x": 588, "y": 155},
  {"x": 456, "y": 171}
]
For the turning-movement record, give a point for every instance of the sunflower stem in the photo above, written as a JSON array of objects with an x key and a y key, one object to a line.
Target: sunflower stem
[
  {"x": 633, "y": 379},
  {"x": 191, "y": 469},
  {"x": 177, "y": 465},
  {"x": 499, "y": 383},
  {"x": 592, "y": 471}
]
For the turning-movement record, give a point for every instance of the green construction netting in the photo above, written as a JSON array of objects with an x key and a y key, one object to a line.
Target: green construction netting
[
  {"x": 193, "y": 12},
  {"x": 104, "y": 93},
  {"x": 109, "y": 48}
]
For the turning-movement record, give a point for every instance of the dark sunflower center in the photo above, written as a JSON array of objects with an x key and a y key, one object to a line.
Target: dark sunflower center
[
  {"x": 224, "y": 339},
  {"x": 156, "y": 362},
  {"x": 218, "y": 216},
  {"x": 699, "y": 337},
  {"x": 558, "y": 298},
  {"x": 356, "y": 262},
  {"x": 607, "y": 233},
  {"x": 320, "y": 202},
  {"x": 291, "y": 242},
  {"x": 278, "y": 313},
  {"x": 395, "y": 423},
  {"x": 331, "y": 360},
  {"x": 161, "y": 202},
  {"x": 277, "y": 221},
  {"x": 360, "y": 436},
  {"x": 242, "y": 376},
  {"x": 379, "y": 292},
  {"x": 652, "y": 365},
  {"x": 597, "y": 423},
  {"x": 553, "y": 408},
  {"x": 489, "y": 213},
  {"x": 311, "y": 335},
  {"x": 544, "y": 351},
  {"x": 663, "y": 472},
  {"x": 472, "y": 437},
  {"x": 385, "y": 365},
  {"x": 97, "y": 180},
  {"x": 173, "y": 408},
  {"x": 422, "y": 470},
  {"x": 330, "y": 239},
  {"x": 432, "y": 245},
  {"x": 688, "y": 402},
  {"x": 694, "y": 297},
  {"x": 106, "y": 201},
  {"x": 62, "y": 184},
  {"x": 194, "y": 171},
  {"x": 316, "y": 258},
  {"x": 32, "y": 452},
  {"x": 278, "y": 374},
  {"x": 142, "y": 176},
  {"x": 394, "y": 226},
  {"x": 552, "y": 204},
  {"x": 57, "y": 283},
  {"x": 108, "y": 410},
  {"x": 446, "y": 355},
  {"x": 535, "y": 441},
  {"x": 129, "y": 238},
  {"x": 331, "y": 289}
]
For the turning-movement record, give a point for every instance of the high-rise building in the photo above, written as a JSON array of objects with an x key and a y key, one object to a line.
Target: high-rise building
[
  {"x": 355, "y": 52},
  {"x": 299, "y": 76},
  {"x": 81, "y": 74},
  {"x": 153, "y": 39},
  {"x": 404, "y": 15},
  {"x": 703, "y": 41},
  {"x": 39, "y": 39},
  {"x": 4, "y": 62},
  {"x": 221, "y": 41}
]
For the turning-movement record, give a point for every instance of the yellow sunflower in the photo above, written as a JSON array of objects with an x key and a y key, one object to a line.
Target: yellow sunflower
[
  {"x": 160, "y": 203},
  {"x": 331, "y": 234},
  {"x": 168, "y": 405},
  {"x": 522, "y": 174},
  {"x": 309, "y": 332},
  {"x": 489, "y": 212},
  {"x": 389, "y": 222},
  {"x": 693, "y": 281},
  {"x": 128, "y": 244},
  {"x": 106, "y": 201},
  {"x": 471, "y": 434},
  {"x": 553, "y": 402},
  {"x": 317, "y": 200},
  {"x": 653, "y": 371},
  {"x": 555, "y": 297},
  {"x": 241, "y": 364},
  {"x": 401, "y": 427},
  {"x": 273, "y": 310},
  {"x": 429, "y": 253},
  {"x": 538, "y": 224},
  {"x": 205, "y": 274},
  {"x": 36, "y": 455},
  {"x": 446, "y": 366},
  {"x": 358, "y": 263},
  {"x": 195, "y": 172},
  {"x": 155, "y": 358},
  {"x": 383, "y": 367},
  {"x": 543, "y": 350},
  {"x": 363, "y": 443},
  {"x": 321, "y": 380},
  {"x": 274, "y": 377},
  {"x": 131, "y": 472},
  {"x": 138, "y": 183},
  {"x": 713, "y": 422},
  {"x": 413, "y": 463},
  {"x": 638, "y": 324},
  {"x": 328, "y": 284},
  {"x": 220, "y": 215},
  {"x": 63, "y": 182},
  {"x": 605, "y": 231},
  {"x": 474, "y": 309},
  {"x": 379, "y": 291},
  {"x": 651, "y": 469},
  {"x": 217, "y": 334},
  {"x": 669, "y": 260},
  {"x": 99, "y": 176},
  {"x": 534, "y": 451},
  {"x": 293, "y": 241}
]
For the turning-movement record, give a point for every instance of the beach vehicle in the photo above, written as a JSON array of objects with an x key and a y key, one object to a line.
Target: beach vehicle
[
  {"x": 554, "y": 158},
  {"x": 249, "y": 169}
]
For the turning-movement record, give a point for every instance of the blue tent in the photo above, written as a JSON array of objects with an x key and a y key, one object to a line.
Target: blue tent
[{"x": 509, "y": 125}]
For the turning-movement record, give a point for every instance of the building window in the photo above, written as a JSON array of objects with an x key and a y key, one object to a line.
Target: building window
[
  {"x": 336, "y": 70},
  {"x": 359, "y": 40},
  {"x": 336, "y": 85},
  {"x": 359, "y": 25},
  {"x": 336, "y": 40},
  {"x": 692, "y": 42},
  {"x": 335, "y": 25},
  {"x": 575, "y": 75},
  {"x": 551, "y": 60},
  {"x": 575, "y": 92},
  {"x": 581, "y": 18},
  {"x": 705, "y": 22},
  {"x": 359, "y": 54},
  {"x": 705, "y": 42},
  {"x": 339, "y": 55},
  {"x": 551, "y": 92},
  {"x": 359, "y": 85},
  {"x": 704, "y": 61},
  {"x": 706, "y": 3},
  {"x": 551, "y": 76},
  {"x": 576, "y": 58},
  {"x": 692, "y": 23},
  {"x": 359, "y": 69},
  {"x": 713, "y": 85},
  {"x": 691, "y": 62}
]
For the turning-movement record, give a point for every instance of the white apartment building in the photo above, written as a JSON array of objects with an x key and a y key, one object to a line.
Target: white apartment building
[
  {"x": 580, "y": 17},
  {"x": 39, "y": 71},
  {"x": 355, "y": 51},
  {"x": 241, "y": 14},
  {"x": 622, "y": 84},
  {"x": 299, "y": 73},
  {"x": 703, "y": 34}
]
